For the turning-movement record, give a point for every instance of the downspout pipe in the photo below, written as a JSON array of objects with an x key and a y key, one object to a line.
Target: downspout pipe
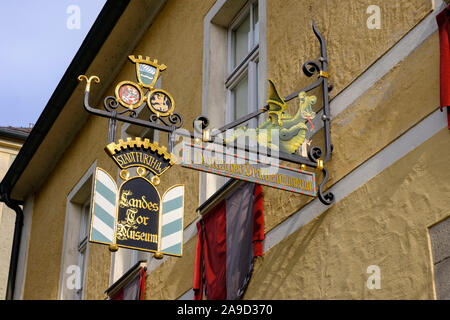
[{"x": 14, "y": 205}]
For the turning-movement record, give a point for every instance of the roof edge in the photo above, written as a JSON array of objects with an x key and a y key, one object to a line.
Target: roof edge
[{"x": 14, "y": 134}]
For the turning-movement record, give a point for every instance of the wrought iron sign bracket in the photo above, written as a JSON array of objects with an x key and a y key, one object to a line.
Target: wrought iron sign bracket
[{"x": 133, "y": 97}]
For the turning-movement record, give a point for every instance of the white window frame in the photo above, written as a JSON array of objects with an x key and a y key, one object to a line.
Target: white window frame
[
  {"x": 78, "y": 200},
  {"x": 82, "y": 247},
  {"x": 248, "y": 66},
  {"x": 215, "y": 96}
]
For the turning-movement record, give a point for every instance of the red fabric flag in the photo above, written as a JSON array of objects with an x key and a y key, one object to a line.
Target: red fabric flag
[
  {"x": 229, "y": 236},
  {"x": 443, "y": 21},
  {"x": 133, "y": 290},
  {"x": 142, "y": 274},
  {"x": 258, "y": 222},
  {"x": 198, "y": 264},
  {"x": 118, "y": 295}
]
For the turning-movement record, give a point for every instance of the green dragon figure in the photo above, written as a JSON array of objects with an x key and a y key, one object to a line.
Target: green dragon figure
[{"x": 292, "y": 129}]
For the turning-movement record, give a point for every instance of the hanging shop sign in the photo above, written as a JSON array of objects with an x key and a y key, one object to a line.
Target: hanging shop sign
[
  {"x": 215, "y": 159},
  {"x": 134, "y": 215}
]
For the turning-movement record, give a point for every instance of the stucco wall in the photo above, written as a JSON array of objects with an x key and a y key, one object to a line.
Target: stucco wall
[
  {"x": 351, "y": 45},
  {"x": 384, "y": 222},
  {"x": 351, "y": 48},
  {"x": 393, "y": 105}
]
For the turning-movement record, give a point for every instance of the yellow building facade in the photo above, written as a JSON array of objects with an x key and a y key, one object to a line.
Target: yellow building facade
[{"x": 388, "y": 170}]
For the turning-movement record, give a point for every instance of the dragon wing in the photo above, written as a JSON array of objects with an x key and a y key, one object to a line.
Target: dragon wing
[{"x": 276, "y": 104}]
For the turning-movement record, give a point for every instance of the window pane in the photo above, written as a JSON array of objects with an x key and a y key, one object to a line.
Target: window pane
[
  {"x": 85, "y": 223},
  {"x": 240, "y": 98},
  {"x": 255, "y": 24},
  {"x": 241, "y": 36}
]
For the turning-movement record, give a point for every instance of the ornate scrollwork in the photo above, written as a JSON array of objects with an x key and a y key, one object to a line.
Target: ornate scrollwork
[
  {"x": 176, "y": 120},
  {"x": 133, "y": 97},
  {"x": 172, "y": 120},
  {"x": 314, "y": 153},
  {"x": 88, "y": 81},
  {"x": 153, "y": 118},
  {"x": 326, "y": 198},
  {"x": 200, "y": 124},
  {"x": 310, "y": 68},
  {"x": 133, "y": 114},
  {"x": 110, "y": 103}
]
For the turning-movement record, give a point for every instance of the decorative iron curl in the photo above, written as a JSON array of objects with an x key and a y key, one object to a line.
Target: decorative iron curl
[
  {"x": 326, "y": 198},
  {"x": 172, "y": 120},
  {"x": 153, "y": 117},
  {"x": 200, "y": 123},
  {"x": 175, "y": 119},
  {"x": 110, "y": 103},
  {"x": 310, "y": 68},
  {"x": 314, "y": 153},
  {"x": 133, "y": 113}
]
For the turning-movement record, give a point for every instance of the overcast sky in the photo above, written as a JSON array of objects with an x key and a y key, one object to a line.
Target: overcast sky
[{"x": 39, "y": 40}]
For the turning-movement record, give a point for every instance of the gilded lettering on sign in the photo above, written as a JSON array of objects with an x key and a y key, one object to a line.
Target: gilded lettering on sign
[
  {"x": 278, "y": 177},
  {"x": 138, "y": 158},
  {"x": 138, "y": 215},
  {"x": 140, "y": 153},
  {"x": 137, "y": 203},
  {"x": 126, "y": 229}
]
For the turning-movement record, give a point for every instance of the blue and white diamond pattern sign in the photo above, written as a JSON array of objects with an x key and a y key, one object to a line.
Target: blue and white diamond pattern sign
[
  {"x": 172, "y": 221},
  {"x": 108, "y": 199},
  {"x": 104, "y": 208}
]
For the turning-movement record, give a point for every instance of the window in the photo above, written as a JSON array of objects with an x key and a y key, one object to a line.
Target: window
[
  {"x": 440, "y": 248},
  {"x": 234, "y": 68},
  {"x": 242, "y": 81},
  {"x": 82, "y": 244},
  {"x": 76, "y": 239}
]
